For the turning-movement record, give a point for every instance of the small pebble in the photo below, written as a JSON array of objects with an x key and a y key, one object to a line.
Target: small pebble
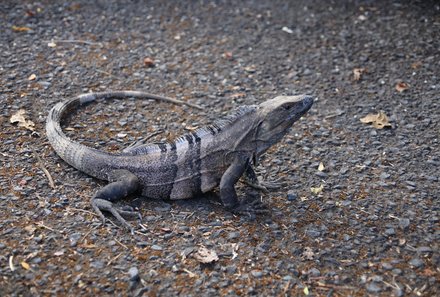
[
  {"x": 404, "y": 223},
  {"x": 373, "y": 288},
  {"x": 416, "y": 262},
  {"x": 387, "y": 266},
  {"x": 314, "y": 272},
  {"x": 390, "y": 232},
  {"x": 155, "y": 247},
  {"x": 257, "y": 273},
  {"x": 291, "y": 195},
  {"x": 134, "y": 273},
  {"x": 233, "y": 235}
]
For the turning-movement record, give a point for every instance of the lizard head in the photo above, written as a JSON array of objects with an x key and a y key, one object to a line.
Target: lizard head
[{"x": 276, "y": 116}]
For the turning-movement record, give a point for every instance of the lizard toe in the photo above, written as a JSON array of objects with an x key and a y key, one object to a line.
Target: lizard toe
[{"x": 100, "y": 205}]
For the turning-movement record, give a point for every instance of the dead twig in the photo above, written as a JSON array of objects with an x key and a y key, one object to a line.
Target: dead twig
[
  {"x": 121, "y": 244},
  {"x": 46, "y": 172},
  {"x": 113, "y": 259},
  {"x": 76, "y": 41},
  {"x": 46, "y": 227}
]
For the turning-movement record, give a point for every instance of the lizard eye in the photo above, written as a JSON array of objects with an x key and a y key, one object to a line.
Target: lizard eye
[{"x": 287, "y": 106}]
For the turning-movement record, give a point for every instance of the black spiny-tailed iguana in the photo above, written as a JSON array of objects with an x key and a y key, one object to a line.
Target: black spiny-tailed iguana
[{"x": 197, "y": 162}]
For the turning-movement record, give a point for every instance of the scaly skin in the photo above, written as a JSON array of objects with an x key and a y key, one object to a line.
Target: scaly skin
[{"x": 197, "y": 162}]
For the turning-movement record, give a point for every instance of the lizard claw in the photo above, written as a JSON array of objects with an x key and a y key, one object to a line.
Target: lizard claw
[
  {"x": 264, "y": 186},
  {"x": 271, "y": 185},
  {"x": 250, "y": 208},
  {"x": 101, "y": 204}
]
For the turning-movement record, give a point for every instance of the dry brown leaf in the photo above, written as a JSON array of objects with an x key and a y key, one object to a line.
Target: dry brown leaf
[
  {"x": 357, "y": 73},
  {"x": 19, "y": 117},
  {"x": 30, "y": 228},
  {"x": 379, "y": 120},
  {"x": 25, "y": 265},
  {"x": 228, "y": 55},
  {"x": 416, "y": 65},
  {"x": 400, "y": 87},
  {"x": 149, "y": 62},
  {"x": 238, "y": 95},
  {"x": 204, "y": 255},
  {"x": 428, "y": 272},
  {"x": 20, "y": 29}
]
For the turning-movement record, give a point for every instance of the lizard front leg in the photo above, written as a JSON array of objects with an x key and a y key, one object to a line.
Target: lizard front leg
[
  {"x": 228, "y": 194},
  {"x": 122, "y": 183}
]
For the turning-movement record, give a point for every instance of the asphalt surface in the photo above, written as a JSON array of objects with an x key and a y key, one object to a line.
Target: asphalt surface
[{"x": 358, "y": 213}]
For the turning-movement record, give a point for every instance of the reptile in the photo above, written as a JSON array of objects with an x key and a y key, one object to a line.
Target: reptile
[{"x": 217, "y": 155}]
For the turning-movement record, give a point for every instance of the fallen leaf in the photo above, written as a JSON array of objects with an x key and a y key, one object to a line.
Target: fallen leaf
[
  {"x": 379, "y": 120},
  {"x": 287, "y": 30},
  {"x": 357, "y": 73},
  {"x": 30, "y": 228},
  {"x": 20, "y": 29},
  {"x": 416, "y": 65},
  {"x": 400, "y": 87},
  {"x": 32, "y": 77},
  {"x": 238, "y": 95},
  {"x": 428, "y": 272},
  {"x": 30, "y": 13},
  {"x": 250, "y": 69},
  {"x": 204, "y": 255},
  {"x": 85, "y": 245},
  {"x": 228, "y": 55},
  {"x": 317, "y": 190},
  {"x": 19, "y": 117},
  {"x": 306, "y": 291},
  {"x": 149, "y": 62},
  {"x": 321, "y": 166},
  {"x": 25, "y": 265}
]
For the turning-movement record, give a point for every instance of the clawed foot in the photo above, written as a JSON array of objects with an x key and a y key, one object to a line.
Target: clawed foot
[
  {"x": 250, "y": 208},
  {"x": 100, "y": 205},
  {"x": 264, "y": 186}
]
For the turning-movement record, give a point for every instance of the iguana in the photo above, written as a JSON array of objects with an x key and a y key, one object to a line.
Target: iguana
[{"x": 197, "y": 162}]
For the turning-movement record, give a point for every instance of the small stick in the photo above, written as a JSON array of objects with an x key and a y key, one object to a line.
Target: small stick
[
  {"x": 76, "y": 41},
  {"x": 46, "y": 172},
  {"x": 46, "y": 227},
  {"x": 121, "y": 244},
  {"x": 114, "y": 259}
]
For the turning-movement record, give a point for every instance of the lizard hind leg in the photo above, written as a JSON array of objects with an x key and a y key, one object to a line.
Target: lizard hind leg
[{"x": 121, "y": 184}]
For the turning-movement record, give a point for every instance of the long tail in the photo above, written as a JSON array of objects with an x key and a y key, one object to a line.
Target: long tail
[{"x": 72, "y": 152}]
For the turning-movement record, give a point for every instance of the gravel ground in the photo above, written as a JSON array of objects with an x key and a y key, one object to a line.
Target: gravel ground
[{"x": 370, "y": 228}]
